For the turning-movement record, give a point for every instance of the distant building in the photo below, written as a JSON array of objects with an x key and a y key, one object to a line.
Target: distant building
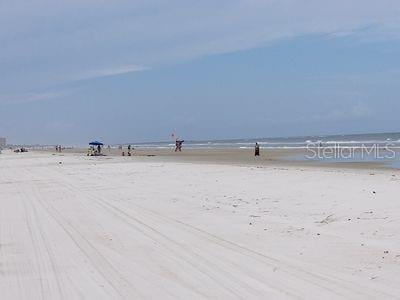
[{"x": 3, "y": 142}]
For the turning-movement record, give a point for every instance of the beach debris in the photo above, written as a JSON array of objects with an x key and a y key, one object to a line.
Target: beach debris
[
  {"x": 327, "y": 220},
  {"x": 386, "y": 252},
  {"x": 293, "y": 229},
  {"x": 373, "y": 192},
  {"x": 254, "y": 216},
  {"x": 318, "y": 234},
  {"x": 250, "y": 223},
  {"x": 377, "y": 218},
  {"x": 374, "y": 277}
]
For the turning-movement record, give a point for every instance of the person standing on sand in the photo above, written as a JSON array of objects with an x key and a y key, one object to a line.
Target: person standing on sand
[{"x": 257, "y": 150}]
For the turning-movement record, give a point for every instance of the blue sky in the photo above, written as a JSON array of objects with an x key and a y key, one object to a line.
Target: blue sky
[{"x": 140, "y": 70}]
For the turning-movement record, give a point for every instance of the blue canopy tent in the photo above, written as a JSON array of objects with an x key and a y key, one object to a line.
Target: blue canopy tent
[{"x": 96, "y": 143}]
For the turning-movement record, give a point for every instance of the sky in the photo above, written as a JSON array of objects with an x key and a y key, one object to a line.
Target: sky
[{"x": 130, "y": 71}]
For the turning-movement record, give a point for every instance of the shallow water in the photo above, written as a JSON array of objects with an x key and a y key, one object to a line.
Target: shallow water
[{"x": 389, "y": 158}]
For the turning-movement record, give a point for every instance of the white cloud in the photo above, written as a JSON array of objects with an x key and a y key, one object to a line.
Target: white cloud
[
  {"x": 109, "y": 72},
  {"x": 33, "y": 97}
]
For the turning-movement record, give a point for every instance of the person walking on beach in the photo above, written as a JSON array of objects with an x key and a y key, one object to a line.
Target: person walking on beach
[{"x": 257, "y": 150}]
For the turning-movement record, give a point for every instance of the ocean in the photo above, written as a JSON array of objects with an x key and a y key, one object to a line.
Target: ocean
[
  {"x": 383, "y": 148},
  {"x": 301, "y": 142}
]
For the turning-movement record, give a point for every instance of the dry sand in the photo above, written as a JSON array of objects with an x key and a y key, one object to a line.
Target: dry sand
[{"x": 77, "y": 227}]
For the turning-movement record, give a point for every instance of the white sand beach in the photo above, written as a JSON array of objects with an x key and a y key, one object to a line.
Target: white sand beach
[{"x": 76, "y": 227}]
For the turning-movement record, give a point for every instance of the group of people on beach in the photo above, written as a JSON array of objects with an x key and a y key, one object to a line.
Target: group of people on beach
[
  {"x": 94, "y": 151},
  {"x": 129, "y": 150},
  {"x": 58, "y": 148},
  {"x": 178, "y": 145},
  {"x": 178, "y": 148},
  {"x": 21, "y": 150}
]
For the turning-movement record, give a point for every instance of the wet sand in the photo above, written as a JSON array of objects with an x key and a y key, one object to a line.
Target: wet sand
[{"x": 270, "y": 157}]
